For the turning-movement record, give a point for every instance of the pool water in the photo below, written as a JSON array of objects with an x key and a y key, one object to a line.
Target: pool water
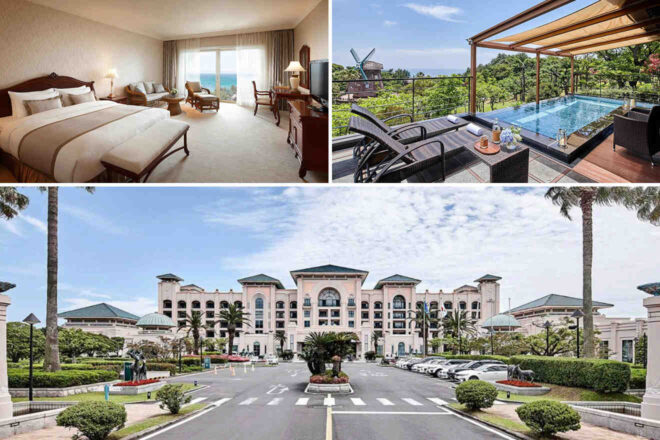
[{"x": 570, "y": 113}]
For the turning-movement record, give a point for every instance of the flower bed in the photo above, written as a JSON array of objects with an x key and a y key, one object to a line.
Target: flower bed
[
  {"x": 519, "y": 383},
  {"x": 136, "y": 383},
  {"x": 328, "y": 379}
]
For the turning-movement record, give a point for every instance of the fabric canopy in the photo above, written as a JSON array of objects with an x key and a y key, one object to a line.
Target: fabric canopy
[{"x": 605, "y": 24}]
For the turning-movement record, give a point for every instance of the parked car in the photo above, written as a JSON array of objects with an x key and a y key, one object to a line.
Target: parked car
[
  {"x": 440, "y": 369},
  {"x": 421, "y": 368},
  {"x": 488, "y": 372},
  {"x": 451, "y": 373},
  {"x": 271, "y": 359},
  {"x": 403, "y": 362}
]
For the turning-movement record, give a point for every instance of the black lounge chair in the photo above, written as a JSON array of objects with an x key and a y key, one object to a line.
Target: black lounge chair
[
  {"x": 405, "y": 134},
  {"x": 639, "y": 132}
]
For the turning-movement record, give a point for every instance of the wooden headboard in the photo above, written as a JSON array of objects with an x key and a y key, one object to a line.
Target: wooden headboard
[{"x": 33, "y": 85}]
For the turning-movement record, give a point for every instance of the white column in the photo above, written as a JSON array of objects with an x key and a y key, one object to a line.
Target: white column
[
  {"x": 651, "y": 402},
  {"x": 6, "y": 409}
]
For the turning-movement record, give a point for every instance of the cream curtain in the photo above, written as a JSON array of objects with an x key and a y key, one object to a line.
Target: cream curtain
[
  {"x": 169, "y": 64},
  {"x": 188, "y": 62}
]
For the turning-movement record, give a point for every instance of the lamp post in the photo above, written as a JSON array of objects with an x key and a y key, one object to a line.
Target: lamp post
[
  {"x": 577, "y": 315},
  {"x": 31, "y": 319},
  {"x": 492, "y": 349}
]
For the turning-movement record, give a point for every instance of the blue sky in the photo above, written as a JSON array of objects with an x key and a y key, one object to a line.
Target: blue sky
[
  {"x": 424, "y": 34},
  {"x": 114, "y": 242}
]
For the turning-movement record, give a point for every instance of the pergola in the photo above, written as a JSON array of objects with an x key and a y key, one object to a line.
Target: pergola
[{"x": 605, "y": 24}]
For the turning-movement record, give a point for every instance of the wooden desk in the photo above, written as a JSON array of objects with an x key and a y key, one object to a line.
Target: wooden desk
[
  {"x": 308, "y": 137},
  {"x": 285, "y": 93}
]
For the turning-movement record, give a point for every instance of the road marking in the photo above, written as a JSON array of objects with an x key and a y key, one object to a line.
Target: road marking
[
  {"x": 413, "y": 402},
  {"x": 403, "y": 413},
  {"x": 197, "y": 400},
  {"x": 436, "y": 400},
  {"x": 385, "y": 402},
  {"x": 275, "y": 401},
  {"x": 248, "y": 401},
  {"x": 357, "y": 402},
  {"x": 160, "y": 431},
  {"x": 277, "y": 389},
  {"x": 329, "y": 401},
  {"x": 302, "y": 401},
  {"x": 328, "y": 424},
  {"x": 467, "y": 420},
  {"x": 221, "y": 401}
]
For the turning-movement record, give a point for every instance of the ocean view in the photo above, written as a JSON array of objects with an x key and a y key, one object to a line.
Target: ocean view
[{"x": 227, "y": 80}]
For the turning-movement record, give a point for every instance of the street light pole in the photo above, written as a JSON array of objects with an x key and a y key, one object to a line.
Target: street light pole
[
  {"x": 492, "y": 350},
  {"x": 577, "y": 314},
  {"x": 31, "y": 319}
]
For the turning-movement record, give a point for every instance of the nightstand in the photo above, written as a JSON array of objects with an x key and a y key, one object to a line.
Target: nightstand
[{"x": 117, "y": 99}]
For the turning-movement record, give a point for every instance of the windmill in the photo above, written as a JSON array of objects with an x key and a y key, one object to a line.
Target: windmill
[{"x": 360, "y": 64}]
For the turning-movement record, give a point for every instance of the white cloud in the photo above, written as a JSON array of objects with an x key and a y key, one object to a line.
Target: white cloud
[
  {"x": 389, "y": 23},
  {"x": 445, "y": 13},
  {"x": 448, "y": 237},
  {"x": 94, "y": 220},
  {"x": 40, "y": 225}
]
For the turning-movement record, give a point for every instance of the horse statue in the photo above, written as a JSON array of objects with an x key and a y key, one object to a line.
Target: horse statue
[
  {"x": 526, "y": 375},
  {"x": 511, "y": 372},
  {"x": 139, "y": 367}
]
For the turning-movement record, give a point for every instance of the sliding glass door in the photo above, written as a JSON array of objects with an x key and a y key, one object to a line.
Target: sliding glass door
[{"x": 218, "y": 73}]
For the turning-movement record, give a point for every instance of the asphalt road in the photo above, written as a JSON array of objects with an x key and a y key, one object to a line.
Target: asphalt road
[{"x": 270, "y": 403}]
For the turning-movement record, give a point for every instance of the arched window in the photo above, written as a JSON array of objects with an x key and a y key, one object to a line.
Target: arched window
[
  {"x": 256, "y": 348},
  {"x": 258, "y": 303},
  {"x": 419, "y": 305},
  {"x": 378, "y": 305},
  {"x": 365, "y": 305},
  {"x": 448, "y": 305},
  {"x": 181, "y": 304},
  {"x": 167, "y": 304},
  {"x": 399, "y": 302},
  {"x": 475, "y": 305},
  {"x": 401, "y": 349},
  {"x": 196, "y": 305},
  {"x": 462, "y": 305},
  {"x": 210, "y": 304},
  {"x": 329, "y": 298},
  {"x": 238, "y": 304},
  {"x": 433, "y": 305},
  {"x": 224, "y": 304},
  {"x": 279, "y": 305},
  {"x": 293, "y": 305}
]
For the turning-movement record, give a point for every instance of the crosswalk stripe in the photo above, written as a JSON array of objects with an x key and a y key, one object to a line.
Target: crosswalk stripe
[
  {"x": 221, "y": 401},
  {"x": 248, "y": 401},
  {"x": 275, "y": 401},
  {"x": 437, "y": 401},
  {"x": 197, "y": 400},
  {"x": 413, "y": 402},
  {"x": 302, "y": 401},
  {"x": 358, "y": 402},
  {"x": 329, "y": 401},
  {"x": 385, "y": 402}
]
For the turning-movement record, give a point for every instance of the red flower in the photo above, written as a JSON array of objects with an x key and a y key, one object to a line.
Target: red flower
[
  {"x": 519, "y": 383},
  {"x": 136, "y": 383}
]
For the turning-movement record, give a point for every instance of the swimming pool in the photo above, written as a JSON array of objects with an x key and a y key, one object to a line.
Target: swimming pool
[{"x": 570, "y": 113}]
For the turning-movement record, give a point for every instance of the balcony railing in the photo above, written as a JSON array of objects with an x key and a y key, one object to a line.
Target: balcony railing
[{"x": 642, "y": 87}]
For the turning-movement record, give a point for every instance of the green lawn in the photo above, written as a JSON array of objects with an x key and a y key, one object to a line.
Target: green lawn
[
  {"x": 572, "y": 394},
  {"x": 154, "y": 421},
  {"x": 96, "y": 396},
  {"x": 502, "y": 422}
]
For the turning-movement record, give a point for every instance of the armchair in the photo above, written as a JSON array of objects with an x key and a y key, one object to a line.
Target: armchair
[
  {"x": 200, "y": 97},
  {"x": 262, "y": 97},
  {"x": 639, "y": 132}
]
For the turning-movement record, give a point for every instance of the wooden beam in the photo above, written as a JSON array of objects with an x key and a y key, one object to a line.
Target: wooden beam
[
  {"x": 500, "y": 46},
  {"x": 588, "y": 22},
  {"x": 531, "y": 13},
  {"x": 538, "y": 78},
  {"x": 572, "y": 75},
  {"x": 604, "y": 43},
  {"x": 473, "y": 80},
  {"x": 618, "y": 30}
]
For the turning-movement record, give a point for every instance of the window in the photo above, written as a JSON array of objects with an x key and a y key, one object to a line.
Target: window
[
  {"x": 433, "y": 305},
  {"x": 196, "y": 305},
  {"x": 258, "y": 303},
  {"x": 307, "y": 302},
  {"x": 627, "y": 350},
  {"x": 399, "y": 302},
  {"x": 181, "y": 304},
  {"x": 307, "y": 313},
  {"x": 335, "y": 313},
  {"x": 168, "y": 313},
  {"x": 462, "y": 305},
  {"x": 335, "y": 322},
  {"x": 256, "y": 348},
  {"x": 365, "y": 315},
  {"x": 223, "y": 334},
  {"x": 259, "y": 315},
  {"x": 399, "y": 324},
  {"x": 210, "y": 334},
  {"x": 209, "y": 315},
  {"x": 306, "y": 323},
  {"x": 329, "y": 298},
  {"x": 279, "y": 324},
  {"x": 378, "y": 324},
  {"x": 378, "y": 305},
  {"x": 293, "y": 314},
  {"x": 399, "y": 315},
  {"x": 448, "y": 305},
  {"x": 279, "y": 305},
  {"x": 181, "y": 323},
  {"x": 323, "y": 322},
  {"x": 167, "y": 304},
  {"x": 351, "y": 324},
  {"x": 224, "y": 304},
  {"x": 293, "y": 305},
  {"x": 323, "y": 313},
  {"x": 181, "y": 314},
  {"x": 218, "y": 72},
  {"x": 378, "y": 315},
  {"x": 476, "y": 305},
  {"x": 279, "y": 315},
  {"x": 351, "y": 302},
  {"x": 351, "y": 313},
  {"x": 210, "y": 304},
  {"x": 474, "y": 315},
  {"x": 419, "y": 305},
  {"x": 365, "y": 305},
  {"x": 238, "y": 304}
]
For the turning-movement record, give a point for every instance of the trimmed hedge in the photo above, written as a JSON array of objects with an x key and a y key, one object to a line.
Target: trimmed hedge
[
  {"x": 162, "y": 366},
  {"x": 598, "y": 374},
  {"x": 94, "y": 420},
  {"x": 476, "y": 394},
  {"x": 548, "y": 417},
  {"x": 19, "y": 378},
  {"x": 638, "y": 378},
  {"x": 478, "y": 357},
  {"x": 184, "y": 361}
]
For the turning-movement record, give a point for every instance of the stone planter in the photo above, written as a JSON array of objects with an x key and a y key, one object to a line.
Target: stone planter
[
  {"x": 325, "y": 388},
  {"x": 132, "y": 391},
  {"x": 523, "y": 391}
]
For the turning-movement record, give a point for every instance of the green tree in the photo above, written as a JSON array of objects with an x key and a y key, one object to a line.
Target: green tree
[
  {"x": 377, "y": 334},
  {"x": 436, "y": 343},
  {"x": 423, "y": 320},
  {"x": 194, "y": 324},
  {"x": 118, "y": 342},
  {"x": 456, "y": 324},
  {"x": 234, "y": 316},
  {"x": 11, "y": 201},
  {"x": 72, "y": 342},
  {"x": 18, "y": 342},
  {"x": 646, "y": 201},
  {"x": 641, "y": 350}
]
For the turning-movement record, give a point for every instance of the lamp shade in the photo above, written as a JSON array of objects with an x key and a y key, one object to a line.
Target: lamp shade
[
  {"x": 294, "y": 66},
  {"x": 112, "y": 73}
]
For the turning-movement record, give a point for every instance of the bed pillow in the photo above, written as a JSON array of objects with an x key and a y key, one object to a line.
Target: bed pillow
[
  {"x": 149, "y": 87},
  {"x": 18, "y": 108},
  {"x": 158, "y": 88},
  {"x": 66, "y": 93},
  {"x": 34, "y": 106},
  {"x": 83, "y": 97}
]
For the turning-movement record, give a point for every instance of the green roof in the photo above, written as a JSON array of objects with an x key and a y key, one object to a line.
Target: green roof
[
  {"x": 329, "y": 268},
  {"x": 501, "y": 321},
  {"x": 262, "y": 278},
  {"x": 554, "y": 300},
  {"x": 101, "y": 310},
  {"x": 169, "y": 277},
  {"x": 488, "y": 277},
  {"x": 6, "y": 286},
  {"x": 396, "y": 278},
  {"x": 155, "y": 320}
]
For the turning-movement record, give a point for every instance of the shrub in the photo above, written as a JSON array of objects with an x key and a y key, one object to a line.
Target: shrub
[
  {"x": 287, "y": 355},
  {"x": 19, "y": 378},
  {"x": 478, "y": 357},
  {"x": 638, "y": 378},
  {"x": 476, "y": 394},
  {"x": 549, "y": 417},
  {"x": 328, "y": 379},
  {"x": 94, "y": 420},
  {"x": 598, "y": 374},
  {"x": 163, "y": 366},
  {"x": 172, "y": 397},
  {"x": 370, "y": 355}
]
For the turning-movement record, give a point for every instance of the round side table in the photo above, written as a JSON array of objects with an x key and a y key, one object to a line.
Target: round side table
[{"x": 173, "y": 104}]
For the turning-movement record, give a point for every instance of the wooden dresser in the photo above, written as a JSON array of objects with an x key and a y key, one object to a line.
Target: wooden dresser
[{"x": 308, "y": 136}]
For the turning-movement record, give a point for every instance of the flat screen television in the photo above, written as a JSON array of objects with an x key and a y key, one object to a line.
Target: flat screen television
[{"x": 318, "y": 82}]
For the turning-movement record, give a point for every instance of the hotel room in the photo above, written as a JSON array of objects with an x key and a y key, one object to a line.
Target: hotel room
[{"x": 164, "y": 91}]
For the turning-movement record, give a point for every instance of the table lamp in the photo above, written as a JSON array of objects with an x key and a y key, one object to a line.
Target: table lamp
[
  {"x": 294, "y": 67},
  {"x": 112, "y": 74}
]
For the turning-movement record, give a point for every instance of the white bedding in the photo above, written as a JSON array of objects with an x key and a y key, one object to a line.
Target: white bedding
[
  {"x": 79, "y": 159},
  {"x": 4, "y": 121}
]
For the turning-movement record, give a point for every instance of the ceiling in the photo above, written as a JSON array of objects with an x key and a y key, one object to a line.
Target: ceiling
[{"x": 177, "y": 19}]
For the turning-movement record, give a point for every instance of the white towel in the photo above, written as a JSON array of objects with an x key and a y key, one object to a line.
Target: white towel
[
  {"x": 453, "y": 119},
  {"x": 475, "y": 130}
]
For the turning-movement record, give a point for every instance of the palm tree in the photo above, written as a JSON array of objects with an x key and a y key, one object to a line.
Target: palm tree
[
  {"x": 456, "y": 322},
  {"x": 646, "y": 201},
  {"x": 280, "y": 337},
  {"x": 11, "y": 201},
  {"x": 193, "y": 325},
  {"x": 423, "y": 320},
  {"x": 233, "y": 316},
  {"x": 375, "y": 336}
]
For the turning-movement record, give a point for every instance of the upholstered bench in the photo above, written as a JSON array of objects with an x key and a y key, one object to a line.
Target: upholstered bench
[
  {"x": 139, "y": 156},
  {"x": 206, "y": 101}
]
